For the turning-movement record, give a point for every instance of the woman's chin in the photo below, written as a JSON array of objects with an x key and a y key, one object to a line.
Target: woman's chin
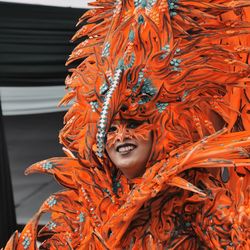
[{"x": 130, "y": 168}]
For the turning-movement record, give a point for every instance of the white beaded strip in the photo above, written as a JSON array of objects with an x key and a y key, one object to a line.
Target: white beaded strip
[{"x": 102, "y": 125}]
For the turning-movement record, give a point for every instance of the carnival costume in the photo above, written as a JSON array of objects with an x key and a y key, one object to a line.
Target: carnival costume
[{"x": 175, "y": 64}]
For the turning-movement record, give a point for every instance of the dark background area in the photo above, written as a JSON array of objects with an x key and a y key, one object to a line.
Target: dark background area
[
  {"x": 31, "y": 138},
  {"x": 34, "y": 45}
]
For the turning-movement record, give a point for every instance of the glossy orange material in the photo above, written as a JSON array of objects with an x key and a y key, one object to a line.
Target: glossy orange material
[{"x": 182, "y": 66}]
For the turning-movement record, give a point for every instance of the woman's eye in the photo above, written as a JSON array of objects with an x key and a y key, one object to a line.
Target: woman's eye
[
  {"x": 134, "y": 124},
  {"x": 112, "y": 129}
]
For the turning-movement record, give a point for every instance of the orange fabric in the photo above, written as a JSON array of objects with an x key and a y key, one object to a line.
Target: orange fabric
[
  {"x": 123, "y": 132},
  {"x": 182, "y": 66}
]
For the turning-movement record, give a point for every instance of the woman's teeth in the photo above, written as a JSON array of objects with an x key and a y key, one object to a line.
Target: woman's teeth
[{"x": 125, "y": 149}]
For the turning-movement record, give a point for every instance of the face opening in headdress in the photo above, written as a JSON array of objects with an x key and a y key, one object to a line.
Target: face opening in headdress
[{"x": 129, "y": 146}]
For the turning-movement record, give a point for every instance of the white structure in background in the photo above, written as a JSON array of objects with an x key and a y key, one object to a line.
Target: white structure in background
[
  {"x": 59, "y": 3},
  {"x": 31, "y": 100},
  {"x": 35, "y": 100}
]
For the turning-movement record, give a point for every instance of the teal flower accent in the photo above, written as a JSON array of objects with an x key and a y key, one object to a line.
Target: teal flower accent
[
  {"x": 137, "y": 3},
  {"x": 172, "y": 7},
  {"x": 81, "y": 217},
  {"x": 26, "y": 242},
  {"x": 151, "y": 3},
  {"x": 48, "y": 165},
  {"x": 148, "y": 88},
  {"x": 175, "y": 63},
  {"x": 143, "y": 3},
  {"x": 131, "y": 36},
  {"x": 121, "y": 64},
  {"x": 178, "y": 50},
  {"x": 116, "y": 186},
  {"x": 140, "y": 78},
  {"x": 52, "y": 201},
  {"x": 141, "y": 19},
  {"x": 144, "y": 99},
  {"x": 161, "y": 106},
  {"x": 166, "y": 50},
  {"x": 52, "y": 225}
]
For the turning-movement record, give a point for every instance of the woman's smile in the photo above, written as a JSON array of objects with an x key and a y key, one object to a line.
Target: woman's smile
[
  {"x": 125, "y": 148},
  {"x": 129, "y": 146}
]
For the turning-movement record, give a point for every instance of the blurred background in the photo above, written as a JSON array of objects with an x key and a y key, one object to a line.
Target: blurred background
[{"x": 34, "y": 45}]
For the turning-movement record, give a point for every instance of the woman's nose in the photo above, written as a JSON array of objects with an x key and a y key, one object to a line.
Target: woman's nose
[{"x": 123, "y": 134}]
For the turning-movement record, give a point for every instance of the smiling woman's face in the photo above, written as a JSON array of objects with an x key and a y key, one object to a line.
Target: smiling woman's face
[{"x": 129, "y": 144}]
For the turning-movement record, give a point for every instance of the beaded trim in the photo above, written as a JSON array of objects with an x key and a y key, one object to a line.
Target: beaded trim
[{"x": 102, "y": 125}]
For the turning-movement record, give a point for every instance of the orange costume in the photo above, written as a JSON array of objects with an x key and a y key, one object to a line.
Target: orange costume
[{"x": 181, "y": 65}]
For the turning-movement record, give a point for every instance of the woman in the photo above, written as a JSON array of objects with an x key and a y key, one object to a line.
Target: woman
[{"x": 157, "y": 141}]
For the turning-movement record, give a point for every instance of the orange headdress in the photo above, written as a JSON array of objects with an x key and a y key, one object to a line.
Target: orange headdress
[
  {"x": 174, "y": 63},
  {"x": 182, "y": 65}
]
